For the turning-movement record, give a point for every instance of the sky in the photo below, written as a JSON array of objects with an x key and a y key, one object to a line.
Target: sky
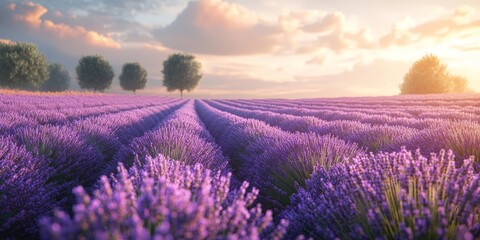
[{"x": 257, "y": 49}]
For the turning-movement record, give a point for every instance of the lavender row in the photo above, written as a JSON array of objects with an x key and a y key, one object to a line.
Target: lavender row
[
  {"x": 420, "y": 119},
  {"x": 273, "y": 160},
  {"x": 396, "y": 195},
  {"x": 21, "y": 115},
  {"x": 407, "y": 108},
  {"x": 397, "y": 102},
  {"x": 14, "y": 119},
  {"x": 64, "y": 157},
  {"x": 48, "y": 102}
]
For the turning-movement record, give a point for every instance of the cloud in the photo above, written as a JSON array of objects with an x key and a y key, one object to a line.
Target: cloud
[
  {"x": 462, "y": 22},
  {"x": 121, "y": 8},
  {"x": 219, "y": 28},
  {"x": 28, "y": 12},
  {"x": 332, "y": 31},
  {"x": 469, "y": 47},
  {"x": 318, "y": 60},
  {"x": 328, "y": 23},
  {"x": 31, "y": 16},
  {"x": 122, "y": 30}
]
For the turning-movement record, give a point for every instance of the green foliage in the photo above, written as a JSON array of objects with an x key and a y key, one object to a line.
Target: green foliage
[
  {"x": 59, "y": 79},
  {"x": 95, "y": 73},
  {"x": 181, "y": 72},
  {"x": 22, "y": 66},
  {"x": 429, "y": 75},
  {"x": 133, "y": 77}
]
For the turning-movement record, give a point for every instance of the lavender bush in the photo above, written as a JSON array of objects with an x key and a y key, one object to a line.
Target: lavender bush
[
  {"x": 462, "y": 137},
  {"x": 24, "y": 194},
  {"x": 164, "y": 199},
  {"x": 283, "y": 167},
  {"x": 396, "y": 195}
]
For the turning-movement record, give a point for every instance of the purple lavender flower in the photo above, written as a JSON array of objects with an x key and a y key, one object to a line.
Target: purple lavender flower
[
  {"x": 389, "y": 196},
  {"x": 164, "y": 198}
]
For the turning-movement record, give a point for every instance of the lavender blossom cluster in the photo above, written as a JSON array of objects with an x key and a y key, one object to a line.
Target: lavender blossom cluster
[
  {"x": 396, "y": 195},
  {"x": 164, "y": 199}
]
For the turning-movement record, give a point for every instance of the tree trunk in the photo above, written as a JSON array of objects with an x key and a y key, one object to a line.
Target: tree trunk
[
  {"x": 134, "y": 92},
  {"x": 181, "y": 93}
]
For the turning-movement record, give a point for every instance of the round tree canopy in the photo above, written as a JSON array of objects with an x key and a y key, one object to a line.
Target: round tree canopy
[
  {"x": 133, "y": 77},
  {"x": 22, "y": 66},
  {"x": 95, "y": 73},
  {"x": 181, "y": 72}
]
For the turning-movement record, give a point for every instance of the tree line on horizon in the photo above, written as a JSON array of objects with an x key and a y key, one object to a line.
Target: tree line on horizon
[{"x": 24, "y": 67}]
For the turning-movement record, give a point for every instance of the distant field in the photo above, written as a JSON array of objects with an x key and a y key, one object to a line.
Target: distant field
[{"x": 338, "y": 167}]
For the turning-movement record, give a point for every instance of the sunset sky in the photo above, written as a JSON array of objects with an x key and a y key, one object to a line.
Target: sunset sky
[{"x": 258, "y": 49}]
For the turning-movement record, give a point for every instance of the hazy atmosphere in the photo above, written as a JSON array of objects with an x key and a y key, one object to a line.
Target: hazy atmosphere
[{"x": 257, "y": 49}]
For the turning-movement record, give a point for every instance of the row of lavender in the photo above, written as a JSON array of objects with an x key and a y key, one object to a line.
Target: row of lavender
[
  {"x": 32, "y": 110},
  {"x": 405, "y": 110}
]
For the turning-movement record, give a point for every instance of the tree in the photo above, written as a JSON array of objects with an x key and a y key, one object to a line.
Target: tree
[
  {"x": 460, "y": 84},
  {"x": 133, "y": 77},
  {"x": 59, "y": 79},
  {"x": 22, "y": 66},
  {"x": 429, "y": 75},
  {"x": 94, "y": 72},
  {"x": 181, "y": 72}
]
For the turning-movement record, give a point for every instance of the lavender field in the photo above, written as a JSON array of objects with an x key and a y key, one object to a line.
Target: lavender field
[{"x": 144, "y": 167}]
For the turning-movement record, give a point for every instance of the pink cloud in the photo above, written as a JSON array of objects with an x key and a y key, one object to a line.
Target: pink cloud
[
  {"x": 29, "y": 12},
  {"x": 455, "y": 25},
  {"x": 90, "y": 37},
  {"x": 220, "y": 28},
  {"x": 330, "y": 22},
  {"x": 332, "y": 31},
  {"x": 32, "y": 15}
]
